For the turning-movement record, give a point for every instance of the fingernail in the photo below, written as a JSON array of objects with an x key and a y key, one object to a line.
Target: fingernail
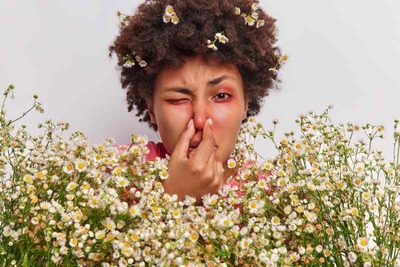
[
  {"x": 210, "y": 121},
  {"x": 190, "y": 123}
]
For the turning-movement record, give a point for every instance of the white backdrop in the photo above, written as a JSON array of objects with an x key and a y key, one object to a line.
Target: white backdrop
[{"x": 344, "y": 53}]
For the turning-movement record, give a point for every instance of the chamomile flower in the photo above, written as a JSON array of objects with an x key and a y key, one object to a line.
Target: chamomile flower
[
  {"x": 45, "y": 205},
  {"x": 128, "y": 64},
  {"x": 360, "y": 168},
  {"x": 221, "y": 38},
  {"x": 281, "y": 181},
  {"x": 71, "y": 186},
  {"x": 248, "y": 20},
  {"x": 170, "y": 15},
  {"x": 135, "y": 211},
  {"x": 35, "y": 220},
  {"x": 130, "y": 61},
  {"x": 73, "y": 242},
  {"x": 109, "y": 224},
  {"x": 80, "y": 165},
  {"x": 245, "y": 243},
  {"x": 121, "y": 181},
  {"x": 262, "y": 183},
  {"x": 237, "y": 11},
  {"x": 210, "y": 200},
  {"x": 119, "y": 170},
  {"x": 268, "y": 166},
  {"x": 260, "y": 23},
  {"x": 362, "y": 244},
  {"x": 94, "y": 202},
  {"x": 311, "y": 216},
  {"x": 40, "y": 175},
  {"x": 28, "y": 178},
  {"x": 255, "y": 206},
  {"x": 254, "y": 7},
  {"x": 366, "y": 195},
  {"x": 164, "y": 174},
  {"x": 218, "y": 37},
  {"x": 193, "y": 236},
  {"x": 212, "y": 45},
  {"x": 275, "y": 220},
  {"x": 142, "y": 63},
  {"x": 231, "y": 163}
]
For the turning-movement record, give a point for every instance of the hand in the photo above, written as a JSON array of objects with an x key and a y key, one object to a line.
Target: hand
[{"x": 197, "y": 173}]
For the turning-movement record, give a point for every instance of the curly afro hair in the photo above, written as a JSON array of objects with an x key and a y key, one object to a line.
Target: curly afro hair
[{"x": 251, "y": 49}]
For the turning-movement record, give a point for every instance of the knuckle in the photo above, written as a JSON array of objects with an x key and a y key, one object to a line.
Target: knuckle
[
  {"x": 209, "y": 174},
  {"x": 216, "y": 184},
  {"x": 206, "y": 178},
  {"x": 197, "y": 168}
]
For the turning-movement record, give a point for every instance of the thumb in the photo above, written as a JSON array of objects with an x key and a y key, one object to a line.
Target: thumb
[{"x": 208, "y": 134}]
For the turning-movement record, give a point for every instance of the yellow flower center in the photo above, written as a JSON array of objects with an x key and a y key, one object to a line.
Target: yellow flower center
[
  {"x": 81, "y": 165},
  {"x": 364, "y": 242}
]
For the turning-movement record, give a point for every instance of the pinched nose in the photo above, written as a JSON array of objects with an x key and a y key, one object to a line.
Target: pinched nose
[{"x": 200, "y": 113}]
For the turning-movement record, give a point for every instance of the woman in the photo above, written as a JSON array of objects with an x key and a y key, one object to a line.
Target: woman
[{"x": 195, "y": 71}]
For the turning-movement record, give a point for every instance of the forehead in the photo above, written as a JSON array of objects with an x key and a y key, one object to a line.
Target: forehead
[{"x": 197, "y": 70}]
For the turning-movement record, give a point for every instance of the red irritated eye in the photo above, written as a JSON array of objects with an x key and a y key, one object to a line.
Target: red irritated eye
[{"x": 223, "y": 96}]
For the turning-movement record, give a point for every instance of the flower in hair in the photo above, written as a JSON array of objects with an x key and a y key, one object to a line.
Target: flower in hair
[
  {"x": 130, "y": 62},
  {"x": 124, "y": 19},
  {"x": 219, "y": 37},
  {"x": 252, "y": 19},
  {"x": 170, "y": 15},
  {"x": 281, "y": 59},
  {"x": 237, "y": 11}
]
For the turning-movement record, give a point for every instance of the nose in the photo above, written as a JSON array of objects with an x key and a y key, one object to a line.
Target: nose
[{"x": 200, "y": 112}]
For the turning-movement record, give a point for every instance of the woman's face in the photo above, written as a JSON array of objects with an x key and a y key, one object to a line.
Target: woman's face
[{"x": 198, "y": 90}]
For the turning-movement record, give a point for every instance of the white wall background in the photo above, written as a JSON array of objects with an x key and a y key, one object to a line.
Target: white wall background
[{"x": 345, "y": 53}]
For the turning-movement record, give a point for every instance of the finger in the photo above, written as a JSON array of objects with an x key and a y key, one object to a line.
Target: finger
[
  {"x": 210, "y": 168},
  {"x": 219, "y": 173},
  {"x": 182, "y": 146},
  {"x": 206, "y": 147},
  {"x": 218, "y": 180}
]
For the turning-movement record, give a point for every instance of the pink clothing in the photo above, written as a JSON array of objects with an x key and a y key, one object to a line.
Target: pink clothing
[{"x": 156, "y": 150}]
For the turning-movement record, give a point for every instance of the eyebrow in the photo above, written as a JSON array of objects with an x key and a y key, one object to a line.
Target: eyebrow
[
  {"x": 218, "y": 80},
  {"x": 186, "y": 91}
]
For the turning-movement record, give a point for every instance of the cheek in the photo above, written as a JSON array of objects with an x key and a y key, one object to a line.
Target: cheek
[
  {"x": 226, "y": 124},
  {"x": 228, "y": 117},
  {"x": 171, "y": 122}
]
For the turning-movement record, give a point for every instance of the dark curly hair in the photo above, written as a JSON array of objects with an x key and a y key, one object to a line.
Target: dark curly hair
[{"x": 161, "y": 44}]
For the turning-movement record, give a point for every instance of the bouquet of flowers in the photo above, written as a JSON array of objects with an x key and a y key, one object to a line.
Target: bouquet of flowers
[{"x": 325, "y": 199}]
